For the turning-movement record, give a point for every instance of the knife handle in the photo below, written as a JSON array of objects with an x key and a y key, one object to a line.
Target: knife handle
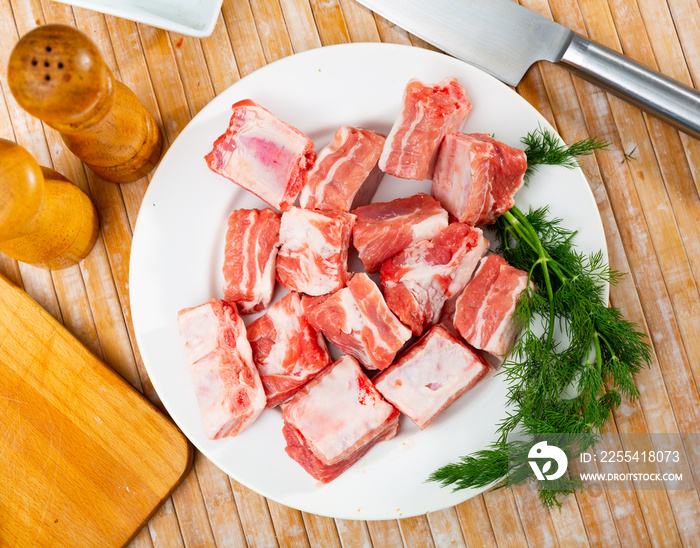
[{"x": 651, "y": 91}]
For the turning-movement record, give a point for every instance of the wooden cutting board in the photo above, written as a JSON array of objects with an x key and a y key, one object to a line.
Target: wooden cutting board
[{"x": 85, "y": 459}]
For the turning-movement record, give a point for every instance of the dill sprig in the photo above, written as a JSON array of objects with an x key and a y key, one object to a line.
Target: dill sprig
[
  {"x": 555, "y": 387},
  {"x": 543, "y": 147}
]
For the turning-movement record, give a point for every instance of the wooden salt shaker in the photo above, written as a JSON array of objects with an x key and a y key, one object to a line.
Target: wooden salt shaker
[
  {"x": 57, "y": 74},
  {"x": 45, "y": 220}
]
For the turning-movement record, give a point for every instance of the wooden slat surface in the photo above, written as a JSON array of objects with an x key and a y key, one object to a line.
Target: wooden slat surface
[{"x": 646, "y": 187}]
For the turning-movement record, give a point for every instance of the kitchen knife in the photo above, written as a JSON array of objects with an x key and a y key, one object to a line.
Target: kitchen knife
[{"x": 505, "y": 39}]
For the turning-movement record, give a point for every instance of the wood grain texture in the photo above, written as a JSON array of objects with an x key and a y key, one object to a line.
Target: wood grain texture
[
  {"x": 645, "y": 185},
  {"x": 58, "y": 75},
  {"x": 63, "y": 228},
  {"x": 76, "y": 467}
]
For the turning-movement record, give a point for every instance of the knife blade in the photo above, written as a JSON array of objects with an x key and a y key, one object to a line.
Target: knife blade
[{"x": 505, "y": 39}]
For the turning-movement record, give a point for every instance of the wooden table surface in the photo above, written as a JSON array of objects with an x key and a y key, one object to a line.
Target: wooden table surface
[{"x": 645, "y": 184}]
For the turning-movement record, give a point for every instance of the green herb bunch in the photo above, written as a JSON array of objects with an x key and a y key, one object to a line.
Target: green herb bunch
[{"x": 576, "y": 357}]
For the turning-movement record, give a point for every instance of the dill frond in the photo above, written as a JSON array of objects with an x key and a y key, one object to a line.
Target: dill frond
[
  {"x": 597, "y": 362},
  {"x": 544, "y": 147}
]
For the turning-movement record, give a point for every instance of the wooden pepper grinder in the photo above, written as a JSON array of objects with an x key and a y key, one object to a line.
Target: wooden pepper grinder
[
  {"x": 45, "y": 220},
  {"x": 57, "y": 74}
]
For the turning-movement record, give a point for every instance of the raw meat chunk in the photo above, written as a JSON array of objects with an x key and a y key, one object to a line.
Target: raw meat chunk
[
  {"x": 428, "y": 113},
  {"x": 286, "y": 350},
  {"x": 229, "y": 393},
  {"x": 252, "y": 240},
  {"x": 206, "y": 327},
  {"x": 357, "y": 320},
  {"x": 476, "y": 177},
  {"x": 263, "y": 154},
  {"x": 417, "y": 281},
  {"x": 227, "y": 385},
  {"x": 313, "y": 257},
  {"x": 335, "y": 419},
  {"x": 430, "y": 375},
  {"x": 309, "y": 302},
  {"x": 484, "y": 310},
  {"x": 383, "y": 229},
  {"x": 347, "y": 165}
]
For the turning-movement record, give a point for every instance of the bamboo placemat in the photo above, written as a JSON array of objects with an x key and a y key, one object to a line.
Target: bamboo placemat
[{"x": 645, "y": 185}]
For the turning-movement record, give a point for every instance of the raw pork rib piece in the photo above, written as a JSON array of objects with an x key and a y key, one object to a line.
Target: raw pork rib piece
[
  {"x": 341, "y": 169},
  {"x": 207, "y": 327},
  {"x": 484, "y": 310},
  {"x": 335, "y": 419},
  {"x": 313, "y": 257},
  {"x": 383, "y": 229},
  {"x": 476, "y": 177},
  {"x": 287, "y": 351},
  {"x": 263, "y": 154},
  {"x": 227, "y": 385},
  {"x": 431, "y": 375},
  {"x": 252, "y": 240},
  {"x": 357, "y": 320},
  {"x": 417, "y": 281},
  {"x": 309, "y": 302},
  {"x": 428, "y": 113}
]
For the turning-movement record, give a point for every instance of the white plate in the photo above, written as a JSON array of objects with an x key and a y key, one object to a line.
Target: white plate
[
  {"x": 191, "y": 17},
  {"x": 177, "y": 255}
]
